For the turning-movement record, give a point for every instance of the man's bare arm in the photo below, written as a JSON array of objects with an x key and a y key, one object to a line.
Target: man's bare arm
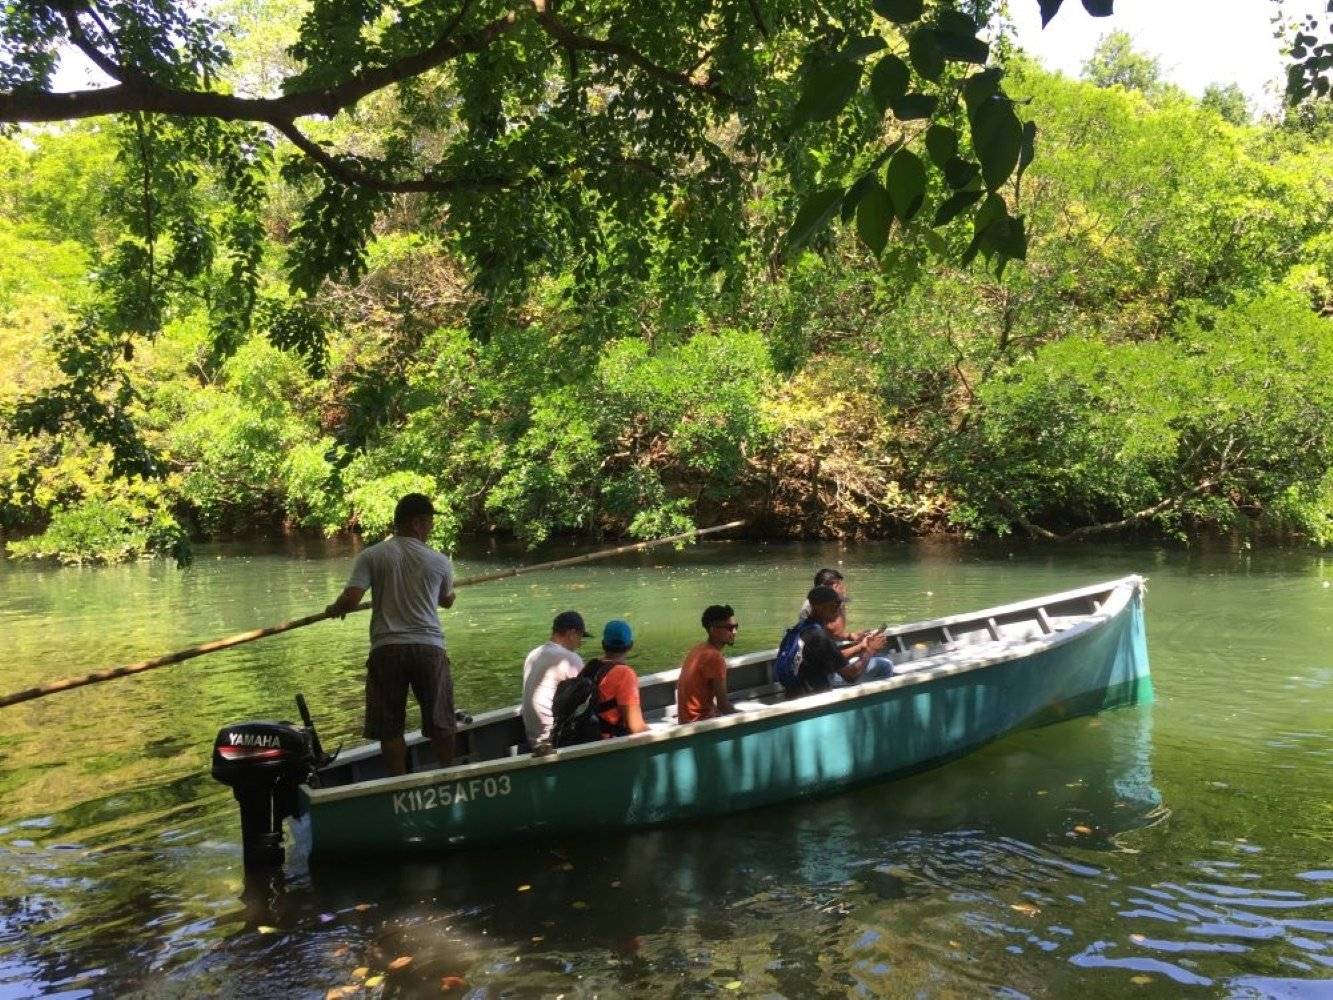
[{"x": 347, "y": 601}]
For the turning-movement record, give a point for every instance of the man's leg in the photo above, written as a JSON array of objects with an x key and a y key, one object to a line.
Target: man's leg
[
  {"x": 394, "y": 754},
  {"x": 444, "y": 748},
  {"x": 386, "y": 707},
  {"x": 434, "y": 687}
]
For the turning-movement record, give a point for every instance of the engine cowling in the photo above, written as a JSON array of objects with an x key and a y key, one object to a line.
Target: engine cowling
[{"x": 264, "y": 763}]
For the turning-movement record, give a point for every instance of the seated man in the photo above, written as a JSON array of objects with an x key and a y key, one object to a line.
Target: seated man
[
  {"x": 546, "y": 666},
  {"x": 618, "y": 690},
  {"x": 701, "y": 689},
  {"x": 821, "y": 660},
  {"x": 860, "y": 648}
]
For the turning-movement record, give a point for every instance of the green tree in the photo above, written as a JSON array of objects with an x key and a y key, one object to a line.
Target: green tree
[
  {"x": 1229, "y": 101},
  {"x": 1115, "y": 62}
]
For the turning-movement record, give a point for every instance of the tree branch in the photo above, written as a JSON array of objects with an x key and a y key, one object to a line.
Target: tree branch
[
  {"x": 1088, "y": 530},
  {"x": 572, "y": 39},
  {"x": 346, "y": 171},
  {"x": 137, "y": 92}
]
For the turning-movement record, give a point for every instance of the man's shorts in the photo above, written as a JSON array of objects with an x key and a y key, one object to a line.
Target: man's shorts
[{"x": 390, "y": 671}]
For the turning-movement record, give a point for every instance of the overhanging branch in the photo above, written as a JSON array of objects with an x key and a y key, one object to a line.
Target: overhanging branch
[
  {"x": 574, "y": 40},
  {"x": 137, "y": 92}
]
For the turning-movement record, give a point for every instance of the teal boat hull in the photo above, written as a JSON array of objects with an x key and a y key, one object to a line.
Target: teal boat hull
[{"x": 795, "y": 750}]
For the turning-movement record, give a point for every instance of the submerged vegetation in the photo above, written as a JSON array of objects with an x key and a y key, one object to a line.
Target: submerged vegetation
[{"x": 1162, "y": 361}]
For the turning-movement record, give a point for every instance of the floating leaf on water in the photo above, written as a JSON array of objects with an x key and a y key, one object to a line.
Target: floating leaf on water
[
  {"x": 453, "y": 983},
  {"x": 324, "y": 918},
  {"x": 955, "y": 944},
  {"x": 361, "y": 907},
  {"x": 524, "y": 888},
  {"x": 536, "y": 938},
  {"x": 374, "y": 981},
  {"x": 266, "y": 929},
  {"x": 1081, "y": 829},
  {"x": 1137, "y": 938},
  {"x": 615, "y": 884},
  {"x": 340, "y": 951},
  {"x": 1141, "y": 980},
  {"x": 336, "y": 993},
  {"x": 361, "y": 971},
  {"x": 579, "y": 904},
  {"x": 567, "y": 867},
  {"x": 1027, "y": 909},
  {"x": 401, "y": 962},
  {"x": 1041, "y": 791},
  {"x": 735, "y": 984}
]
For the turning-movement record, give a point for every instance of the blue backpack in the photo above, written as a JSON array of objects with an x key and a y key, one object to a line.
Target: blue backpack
[{"x": 787, "y": 664}]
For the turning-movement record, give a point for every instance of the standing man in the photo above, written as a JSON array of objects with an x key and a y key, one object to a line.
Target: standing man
[
  {"x": 407, "y": 581},
  {"x": 548, "y": 665},
  {"x": 701, "y": 689}
]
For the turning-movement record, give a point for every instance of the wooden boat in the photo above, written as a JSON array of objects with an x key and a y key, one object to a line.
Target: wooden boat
[{"x": 959, "y": 682}]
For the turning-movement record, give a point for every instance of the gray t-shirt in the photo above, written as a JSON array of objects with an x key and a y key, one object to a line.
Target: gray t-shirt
[{"x": 405, "y": 578}]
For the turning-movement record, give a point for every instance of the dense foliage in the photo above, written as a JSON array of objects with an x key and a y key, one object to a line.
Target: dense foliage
[{"x": 1161, "y": 361}]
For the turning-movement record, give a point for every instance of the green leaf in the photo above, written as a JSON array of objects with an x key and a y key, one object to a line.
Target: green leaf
[
  {"x": 981, "y": 87},
  {"x": 935, "y": 242},
  {"x": 873, "y": 217},
  {"x": 888, "y": 80},
  {"x": 957, "y": 37},
  {"x": 941, "y": 144},
  {"x": 958, "y": 173},
  {"x": 906, "y": 181},
  {"x": 953, "y": 206},
  {"x": 1028, "y": 149},
  {"x": 859, "y": 48},
  {"x": 991, "y": 211},
  {"x": 900, "y": 11},
  {"x": 911, "y": 107},
  {"x": 826, "y": 89},
  {"x": 963, "y": 49},
  {"x": 997, "y": 139},
  {"x": 814, "y": 215},
  {"x": 955, "y": 22},
  {"x": 856, "y": 192},
  {"x": 1009, "y": 237},
  {"x": 923, "y": 48}
]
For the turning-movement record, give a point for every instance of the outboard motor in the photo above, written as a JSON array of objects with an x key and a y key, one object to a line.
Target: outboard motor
[{"x": 264, "y": 763}]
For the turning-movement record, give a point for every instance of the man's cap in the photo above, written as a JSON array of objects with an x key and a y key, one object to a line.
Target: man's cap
[
  {"x": 569, "y": 620},
  {"x": 617, "y": 635},
  {"x": 823, "y": 595}
]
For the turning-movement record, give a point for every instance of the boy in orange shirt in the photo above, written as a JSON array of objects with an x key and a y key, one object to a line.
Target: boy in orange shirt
[{"x": 701, "y": 690}]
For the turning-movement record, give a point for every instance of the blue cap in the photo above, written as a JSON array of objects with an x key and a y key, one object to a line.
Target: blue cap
[{"x": 617, "y": 635}]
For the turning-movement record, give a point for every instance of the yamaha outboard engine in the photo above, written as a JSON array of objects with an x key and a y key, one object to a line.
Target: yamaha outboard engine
[{"x": 264, "y": 763}]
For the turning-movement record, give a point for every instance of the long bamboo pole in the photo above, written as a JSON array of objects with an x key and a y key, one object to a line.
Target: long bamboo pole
[{"x": 204, "y": 648}]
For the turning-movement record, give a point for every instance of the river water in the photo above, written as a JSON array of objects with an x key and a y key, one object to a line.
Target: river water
[{"x": 1179, "y": 849}]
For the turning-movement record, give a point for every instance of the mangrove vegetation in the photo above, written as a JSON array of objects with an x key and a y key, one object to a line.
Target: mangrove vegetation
[{"x": 854, "y": 297}]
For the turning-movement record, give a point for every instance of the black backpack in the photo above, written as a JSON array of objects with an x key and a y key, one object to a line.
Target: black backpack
[
  {"x": 575, "y": 708},
  {"x": 787, "y": 663}
]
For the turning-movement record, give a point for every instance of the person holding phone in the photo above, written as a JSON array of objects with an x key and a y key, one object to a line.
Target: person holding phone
[{"x": 862, "y": 650}]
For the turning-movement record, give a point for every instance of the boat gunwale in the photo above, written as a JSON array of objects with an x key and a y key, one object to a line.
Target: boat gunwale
[{"x": 951, "y": 664}]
